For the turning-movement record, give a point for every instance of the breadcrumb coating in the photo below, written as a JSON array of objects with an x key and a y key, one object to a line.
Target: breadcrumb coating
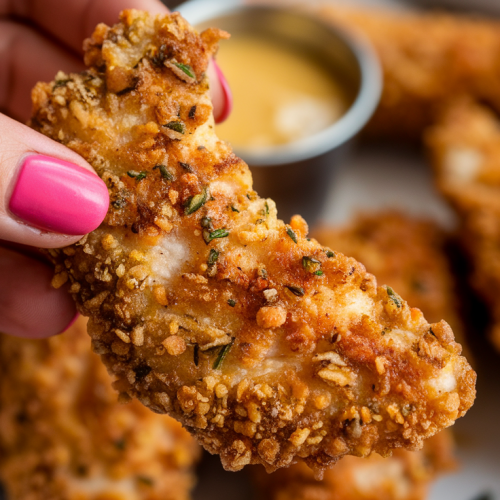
[
  {"x": 63, "y": 435},
  {"x": 427, "y": 59},
  {"x": 266, "y": 345},
  {"x": 465, "y": 149},
  {"x": 404, "y": 476},
  {"x": 407, "y": 253}
]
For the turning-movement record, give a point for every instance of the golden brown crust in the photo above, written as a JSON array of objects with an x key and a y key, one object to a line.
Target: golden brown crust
[
  {"x": 427, "y": 60},
  {"x": 64, "y": 436},
  {"x": 408, "y": 254},
  {"x": 189, "y": 251},
  {"x": 464, "y": 147}
]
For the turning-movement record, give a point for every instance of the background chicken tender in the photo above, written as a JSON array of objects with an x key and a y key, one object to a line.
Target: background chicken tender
[
  {"x": 64, "y": 436},
  {"x": 464, "y": 147},
  {"x": 427, "y": 59}
]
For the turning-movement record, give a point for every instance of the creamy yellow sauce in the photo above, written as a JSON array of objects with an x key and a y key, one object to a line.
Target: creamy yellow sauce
[{"x": 280, "y": 95}]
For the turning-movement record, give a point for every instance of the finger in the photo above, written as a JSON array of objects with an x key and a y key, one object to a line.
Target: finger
[
  {"x": 27, "y": 57},
  {"x": 49, "y": 195},
  {"x": 73, "y": 21},
  {"x": 29, "y": 306}
]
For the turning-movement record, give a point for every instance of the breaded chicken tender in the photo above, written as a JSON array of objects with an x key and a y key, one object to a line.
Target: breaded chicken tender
[
  {"x": 64, "y": 436},
  {"x": 266, "y": 345},
  {"x": 465, "y": 150},
  {"x": 427, "y": 59},
  {"x": 405, "y": 475},
  {"x": 407, "y": 253}
]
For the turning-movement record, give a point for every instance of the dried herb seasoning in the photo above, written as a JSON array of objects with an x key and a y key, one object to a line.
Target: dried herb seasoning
[
  {"x": 291, "y": 233},
  {"x": 222, "y": 354}
]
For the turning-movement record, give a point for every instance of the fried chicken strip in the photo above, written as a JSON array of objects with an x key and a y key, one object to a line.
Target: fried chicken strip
[
  {"x": 427, "y": 59},
  {"x": 465, "y": 150},
  {"x": 267, "y": 346},
  {"x": 64, "y": 436},
  {"x": 405, "y": 475},
  {"x": 408, "y": 253}
]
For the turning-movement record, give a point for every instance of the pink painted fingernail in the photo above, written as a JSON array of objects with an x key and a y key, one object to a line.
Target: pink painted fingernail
[
  {"x": 227, "y": 95},
  {"x": 58, "y": 196}
]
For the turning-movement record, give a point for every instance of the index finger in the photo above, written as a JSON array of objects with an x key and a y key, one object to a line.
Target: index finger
[{"x": 72, "y": 21}]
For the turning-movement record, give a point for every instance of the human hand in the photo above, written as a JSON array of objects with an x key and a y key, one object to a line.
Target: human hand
[{"x": 49, "y": 195}]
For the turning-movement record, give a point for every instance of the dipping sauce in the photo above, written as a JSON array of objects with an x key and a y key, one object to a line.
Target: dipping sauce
[{"x": 280, "y": 93}]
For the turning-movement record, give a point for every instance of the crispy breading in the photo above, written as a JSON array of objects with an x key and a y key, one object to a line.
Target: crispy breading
[
  {"x": 189, "y": 251},
  {"x": 407, "y": 253},
  {"x": 427, "y": 59},
  {"x": 405, "y": 475},
  {"x": 465, "y": 150},
  {"x": 64, "y": 436}
]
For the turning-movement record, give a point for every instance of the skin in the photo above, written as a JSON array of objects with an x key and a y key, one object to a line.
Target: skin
[{"x": 38, "y": 38}]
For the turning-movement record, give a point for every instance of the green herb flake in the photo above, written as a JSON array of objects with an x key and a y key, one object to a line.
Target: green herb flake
[
  {"x": 164, "y": 172},
  {"x": 60, "y": 83},
  {"x": 267, "y": 208},
  {"x": 176, "y": 126},
  {"x": 222, "y": 354},
  {"x": 138, "y": 176},
  {"x": 291, "y": 233},
  {"x": 319, "y": 273},
  {"x": 330, "y": 254},
  {"x": 185, "y": 68},
  {"x": 394, "y": 297},
  {"x": 208, "y": 236},
  {"x": 296, "y": 290},
  {"x": 231, "y": 302},
  {"x": 186, "y": 166},
  {"x": 310, "y": 264},
  {"x": 145, "y": 480},
  {"x": 234, "y": 209},
  {"x": 212, "y": 257},
  {"x": 195, "y": 203}
]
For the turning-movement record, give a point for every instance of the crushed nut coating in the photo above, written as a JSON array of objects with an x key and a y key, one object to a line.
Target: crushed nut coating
[{"x": 242, "y": 373}]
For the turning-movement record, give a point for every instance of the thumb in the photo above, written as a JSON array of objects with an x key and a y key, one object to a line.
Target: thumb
[{"x": 49, "y": 196}]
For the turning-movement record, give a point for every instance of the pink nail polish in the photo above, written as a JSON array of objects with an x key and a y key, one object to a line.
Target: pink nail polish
[
  {"x": 228, "y": 96},
  {"x": 58, "y": 196}
]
